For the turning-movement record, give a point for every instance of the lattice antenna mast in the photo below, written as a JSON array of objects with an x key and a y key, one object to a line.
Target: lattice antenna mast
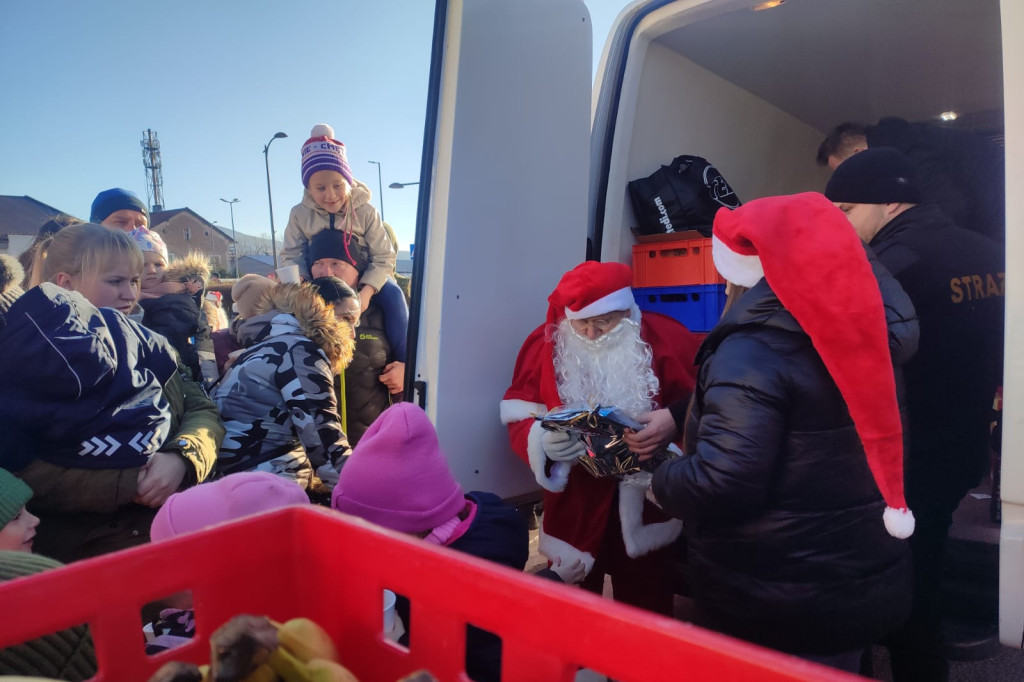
[{"x": 154, "y": 170}]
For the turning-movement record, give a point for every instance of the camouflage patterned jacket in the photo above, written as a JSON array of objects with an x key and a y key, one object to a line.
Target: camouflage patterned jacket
[{"x": 277, "y": 402}]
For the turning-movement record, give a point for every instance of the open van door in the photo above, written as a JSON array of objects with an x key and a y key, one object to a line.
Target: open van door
[
  {"x": 502, "y": 213},
  {"x": 1011, "y": 541},
  {"x": 754, "y": 87}
]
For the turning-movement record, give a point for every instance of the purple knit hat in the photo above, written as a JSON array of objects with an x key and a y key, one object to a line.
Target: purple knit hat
[
  {"x": 322, "y": 152},
  {"x": 226, "y": 499},
  {"x": 397, "y": 476}
]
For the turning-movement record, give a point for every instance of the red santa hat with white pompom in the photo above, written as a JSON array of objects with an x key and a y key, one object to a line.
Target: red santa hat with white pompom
[{"x": 814, "y": 262}]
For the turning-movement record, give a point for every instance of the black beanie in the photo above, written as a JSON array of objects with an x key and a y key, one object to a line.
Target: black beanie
[
  {"x": 878, "y": 175},
  {"x": 331, "y": 244},
  {"x": 110, "y": 200}
]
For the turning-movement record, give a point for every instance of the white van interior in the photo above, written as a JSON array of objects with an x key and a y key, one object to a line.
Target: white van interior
[
  {"x": 754, "y": 89},
  {"x": 755, "y": 92}
]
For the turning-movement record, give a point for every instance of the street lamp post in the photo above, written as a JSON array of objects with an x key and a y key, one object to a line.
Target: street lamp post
[
  {"x": 400, "y": 185},
  {"x": 234, "y": 242},
  {"x": 270, "y": 200},
  {"x": 380, "y": 190}
]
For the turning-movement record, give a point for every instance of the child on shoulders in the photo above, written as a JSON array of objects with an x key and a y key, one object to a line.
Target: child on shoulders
[{"x": 334, "y": 200}]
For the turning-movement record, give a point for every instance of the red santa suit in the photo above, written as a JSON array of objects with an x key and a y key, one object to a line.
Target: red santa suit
[{"x": 578, "y": 506}]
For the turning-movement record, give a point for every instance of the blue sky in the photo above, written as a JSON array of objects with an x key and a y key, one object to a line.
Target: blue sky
[{"x": 216, "y": 80}]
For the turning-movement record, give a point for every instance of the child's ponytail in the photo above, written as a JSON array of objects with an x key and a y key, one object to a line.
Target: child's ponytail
[
  {"x": 83, "y": 248},
  {"x": 39, "y": 262}
]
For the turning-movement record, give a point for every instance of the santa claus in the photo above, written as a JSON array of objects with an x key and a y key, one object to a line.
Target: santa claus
[{"x": 596, "y": 349}]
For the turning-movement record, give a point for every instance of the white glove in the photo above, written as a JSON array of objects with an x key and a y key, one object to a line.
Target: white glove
[
  {"x": 570, "y": 573},
  {"x": 560, "y": 446},
  {"x": 328, "y": 474}
]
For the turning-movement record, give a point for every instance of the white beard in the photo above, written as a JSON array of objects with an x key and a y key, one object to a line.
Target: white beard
[{"x": 613, "y": 370}]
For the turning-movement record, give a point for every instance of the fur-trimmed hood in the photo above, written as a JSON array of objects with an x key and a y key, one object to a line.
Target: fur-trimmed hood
[
  {"x": 315, "y": 320},
  {"x": 360, "y": 194},
  {"x": 193, "y": 266}
]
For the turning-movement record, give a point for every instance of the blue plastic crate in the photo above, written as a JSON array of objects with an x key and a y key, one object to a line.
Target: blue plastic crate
[{"x": 697, "y": 307}]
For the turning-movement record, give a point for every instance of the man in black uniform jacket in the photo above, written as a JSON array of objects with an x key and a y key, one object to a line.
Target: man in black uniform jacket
[
  {"x": 954, "y": 277},
  {"x": 962, "y": 172}
]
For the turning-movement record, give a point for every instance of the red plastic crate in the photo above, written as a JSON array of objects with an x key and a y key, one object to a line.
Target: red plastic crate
[
  {"x": 679, "y": 262},
  {"x": 331, "y": 568}
]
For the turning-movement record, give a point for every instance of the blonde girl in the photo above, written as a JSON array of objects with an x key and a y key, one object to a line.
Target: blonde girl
[{"x": 137, "y": 432}]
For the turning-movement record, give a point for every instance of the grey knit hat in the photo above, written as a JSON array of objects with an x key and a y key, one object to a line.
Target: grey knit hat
[
  {"x": 14, "y": 494},
  {"x": 11, "y": 277},
  {"x": 64, "y": 655}
]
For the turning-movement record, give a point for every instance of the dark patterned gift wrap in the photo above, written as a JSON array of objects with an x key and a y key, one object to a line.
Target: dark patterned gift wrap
[{"x": 600, "y": 430}]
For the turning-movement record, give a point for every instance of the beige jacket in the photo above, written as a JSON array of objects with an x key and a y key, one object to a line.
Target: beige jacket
[{"x": 363, "y": 221}]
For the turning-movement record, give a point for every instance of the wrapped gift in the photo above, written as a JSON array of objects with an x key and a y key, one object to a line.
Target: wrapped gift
[{"x": 600, "y": 430}]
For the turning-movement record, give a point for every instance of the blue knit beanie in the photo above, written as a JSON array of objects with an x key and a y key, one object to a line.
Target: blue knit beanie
[{"x": 110, "y": 200}]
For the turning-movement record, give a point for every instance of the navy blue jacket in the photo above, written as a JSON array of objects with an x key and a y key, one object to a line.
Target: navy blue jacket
[
  {"x": 80, "y": 386},
  {"x": 498, "y": 533}
]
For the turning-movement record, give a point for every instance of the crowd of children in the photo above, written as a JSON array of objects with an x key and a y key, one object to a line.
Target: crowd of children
[{"x": 126, "y": 420}]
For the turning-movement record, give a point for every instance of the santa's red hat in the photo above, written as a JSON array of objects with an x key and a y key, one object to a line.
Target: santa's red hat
[
  {"x": 590, "y": 289},
  {"x": 814, "y": 262}
]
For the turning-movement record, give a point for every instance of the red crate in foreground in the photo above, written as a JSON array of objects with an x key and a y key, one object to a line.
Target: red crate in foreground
[{"x": 331, "y": 568}]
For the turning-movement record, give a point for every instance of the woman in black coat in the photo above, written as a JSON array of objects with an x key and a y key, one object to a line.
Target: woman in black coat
[{"x": 784, "y": 517}]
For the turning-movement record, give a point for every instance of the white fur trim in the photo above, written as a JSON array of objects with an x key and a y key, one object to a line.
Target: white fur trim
[
  {"x": 617, "y": 300},
  {"x": 641, "y": 539},
  {"x": 559, "y": 477},
  {"x": 555, "y": 550},
  {"x": 518, "y": 410},
  {"x": 899, "y": 522},
  {"x": 736, "y": 267}
]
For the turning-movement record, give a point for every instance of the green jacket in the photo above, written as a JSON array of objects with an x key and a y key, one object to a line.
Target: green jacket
[{"x": 87, "y": 512}]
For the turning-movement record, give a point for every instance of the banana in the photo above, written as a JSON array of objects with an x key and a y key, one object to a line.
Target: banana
[
  {"x": 328, "y": 671},
  {"x": 306, "y": 640},
  {"x": 288, "y": 667}
]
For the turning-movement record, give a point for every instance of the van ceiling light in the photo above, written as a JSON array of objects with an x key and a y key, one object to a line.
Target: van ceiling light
[
  {"x": 771, "y": 4},
  {"x": 948, "y": 115}
]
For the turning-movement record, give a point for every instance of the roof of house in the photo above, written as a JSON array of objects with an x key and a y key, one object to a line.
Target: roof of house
[
  {"x": 257, "y": 264},
  {"x": 164, "y": 216},
  {"x": 24, "y": 215}
]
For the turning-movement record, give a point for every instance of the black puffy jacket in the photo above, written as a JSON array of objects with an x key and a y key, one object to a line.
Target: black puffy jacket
[
  {"x": 783, "y": 519},
  {"x": 179, "y": 318},
  {"x": 365, "y": 396}
]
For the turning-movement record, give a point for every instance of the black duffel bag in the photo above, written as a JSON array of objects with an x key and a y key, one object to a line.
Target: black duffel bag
[{"x": 681, "y": 196}]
